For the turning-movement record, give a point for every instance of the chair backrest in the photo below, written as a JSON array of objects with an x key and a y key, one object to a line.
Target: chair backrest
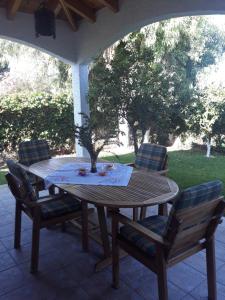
[
  {"x": 194, "y": 217},
  {"x": 151, "y": 157},
  {"x": 33, "y": 151},
  {"x": 19, "y": 183}
]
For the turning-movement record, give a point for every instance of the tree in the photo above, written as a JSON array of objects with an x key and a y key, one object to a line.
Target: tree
[
  {"x": 154, "y": 75},
  {"x": 130, "y": 79},
  {"x": 101, "y": 127},
  {"x": 33, "y": 70}
]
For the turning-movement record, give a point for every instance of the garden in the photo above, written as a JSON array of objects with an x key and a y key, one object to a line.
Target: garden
[{"x": 157, "y": 86}]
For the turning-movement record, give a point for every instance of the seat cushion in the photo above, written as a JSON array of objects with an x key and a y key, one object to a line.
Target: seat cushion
[
  {"x": 151, "y": 157},
  {"x": 156, "y": 224},
  {"x": 21, "y": 175},
  {"x": 33, "y": 151},
  {"x": 59, "y": 207}
]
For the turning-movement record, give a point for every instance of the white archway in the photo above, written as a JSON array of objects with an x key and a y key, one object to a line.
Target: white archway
[
  {"x": 82, "y": 46},
  {"x": 79, "y": 48}
]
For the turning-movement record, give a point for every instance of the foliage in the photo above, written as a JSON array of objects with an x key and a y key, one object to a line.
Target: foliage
[
  {"x": 33, "y": 70},
  {"x": 151, "y": 80},
  {"x": 101, "y": 127},
  {"x": 4, "y": 67},
  {"x": 38, "y": 115},
  {"x": 207, "y": 117},
  {"x": 94, "y": 135}
]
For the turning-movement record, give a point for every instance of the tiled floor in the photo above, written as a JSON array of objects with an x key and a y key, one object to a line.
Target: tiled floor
[{"x": 68, "y": 273}]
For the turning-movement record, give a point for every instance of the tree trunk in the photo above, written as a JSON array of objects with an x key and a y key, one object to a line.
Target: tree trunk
[
  {"x": 134, "y": 135},
  {"x": 208, "y": 144},
  {"x": 144, "y": 136},
  {"x": 93, "y": 164}
]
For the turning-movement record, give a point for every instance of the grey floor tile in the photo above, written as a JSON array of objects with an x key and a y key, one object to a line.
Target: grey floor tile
[
  {"x": 8, "y": 241},
  {"x": 198, "y": 262},
  {"x": 147, "y": 287},
  {"x": 188, "y": 297},
  {"x": 201, "y": 291},
  {"x": 6, "y": 261},
  {"x": 11, "y": 279},
  {"x": 185, "y": 277}
]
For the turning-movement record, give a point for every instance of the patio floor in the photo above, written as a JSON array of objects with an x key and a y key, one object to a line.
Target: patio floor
[{"x": 68, "y": 273}]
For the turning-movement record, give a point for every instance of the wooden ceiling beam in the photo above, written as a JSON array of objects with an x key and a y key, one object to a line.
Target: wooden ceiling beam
[
  {"x": 54, "y": 5},
  {"x": 12, "y": 8},
  {"x": 111, "y": 4},
  {"x": 81, "y": 9},
  {"x": 68, "y": 14}
]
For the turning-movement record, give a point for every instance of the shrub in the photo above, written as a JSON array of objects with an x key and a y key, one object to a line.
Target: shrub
[{"x": 27, "y": 116}]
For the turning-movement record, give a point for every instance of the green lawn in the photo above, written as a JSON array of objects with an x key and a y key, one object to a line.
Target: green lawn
[
  {"x": 2, "y": 176},
  {"x": 188, "y": 167}
]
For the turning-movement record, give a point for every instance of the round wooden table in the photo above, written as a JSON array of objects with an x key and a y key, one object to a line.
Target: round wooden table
[{"x": 144, "y": 189}]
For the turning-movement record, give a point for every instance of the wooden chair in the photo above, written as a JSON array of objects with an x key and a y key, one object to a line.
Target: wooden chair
[
  {"x": 33, "y": 151},
  {"x": 160, "y": 242},
  {"x": 44, "y": 212},
  {"x": 151, "y": 158}
]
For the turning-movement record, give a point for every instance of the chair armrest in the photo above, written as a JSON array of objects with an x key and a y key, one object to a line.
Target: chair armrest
[
  {"x": 148, "y": 234},
  {"x": 163, "y": 172},
  {"x": 25, "y": 168},
  {"x": 131, "y": 165}
]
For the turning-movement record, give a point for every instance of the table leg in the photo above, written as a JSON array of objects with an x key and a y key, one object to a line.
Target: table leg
[{"x": 103, "y": 231}]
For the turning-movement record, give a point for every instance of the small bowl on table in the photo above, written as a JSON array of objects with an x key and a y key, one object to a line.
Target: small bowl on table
[
  {"x": 109, "y": 167},
  {"x": 82, "y": 172},
  {"x": 102, "y": 173}
]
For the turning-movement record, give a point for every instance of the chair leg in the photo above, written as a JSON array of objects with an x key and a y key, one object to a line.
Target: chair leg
[
  {"x": 143, "y": 213},
  {"x": 135, "y": 213},
  {"x": 85, "y": 243},
  {"x": 162, "y": 278},
  {"x": 17, "y": 234},
  {"x": 163, "y": 209},
  {"x": 115, "y": 254},
  {"x": 35, "y": 248},
  {"x": 63, "y": 226},
  {"x": 211, "y": 269},
  {"x": 51, "y": 190}
]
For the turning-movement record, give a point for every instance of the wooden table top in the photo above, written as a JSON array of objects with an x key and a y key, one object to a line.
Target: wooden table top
[{"x": 144, "y": 188}]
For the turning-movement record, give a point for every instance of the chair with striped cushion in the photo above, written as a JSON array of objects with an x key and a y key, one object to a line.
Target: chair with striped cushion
[
  {"x": 160, "y": 242},
  {"x": 44, "y": 211},
  {"x": 33, "y": 151},
  {"x": 151, "y": 158}
]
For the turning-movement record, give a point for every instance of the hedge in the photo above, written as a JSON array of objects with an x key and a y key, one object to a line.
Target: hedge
[{"x": 37, "y": 116}]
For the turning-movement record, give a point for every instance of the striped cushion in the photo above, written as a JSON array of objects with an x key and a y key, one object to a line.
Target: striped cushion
[
  {"x": 33, "y": 151},
  {"x": 198, "y": 194},
  {"x": 194, "y": 196},
  {"x": 155, "y": 223},
  {"x": 58, "y": 207},
  {"x": 151, "y": 157},
  {"x": 19, "y": 173}
]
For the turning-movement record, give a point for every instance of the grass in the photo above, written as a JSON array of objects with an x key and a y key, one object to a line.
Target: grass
[
  {"x": 189, "y": 167},
  {"x": 2, "y": 176}
]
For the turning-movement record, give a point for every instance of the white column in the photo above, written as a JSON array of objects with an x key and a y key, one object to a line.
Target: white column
[{"x": 80, "y": 91}]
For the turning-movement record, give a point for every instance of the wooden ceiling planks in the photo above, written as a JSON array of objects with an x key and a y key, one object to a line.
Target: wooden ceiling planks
[
  {"x": 12, "y": 8},
  {"x": 111, "y": 4},
  {"x": 69, "y": 15}
]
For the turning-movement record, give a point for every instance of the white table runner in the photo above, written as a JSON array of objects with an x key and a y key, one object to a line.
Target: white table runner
[{"x": 69, "y": 174}]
